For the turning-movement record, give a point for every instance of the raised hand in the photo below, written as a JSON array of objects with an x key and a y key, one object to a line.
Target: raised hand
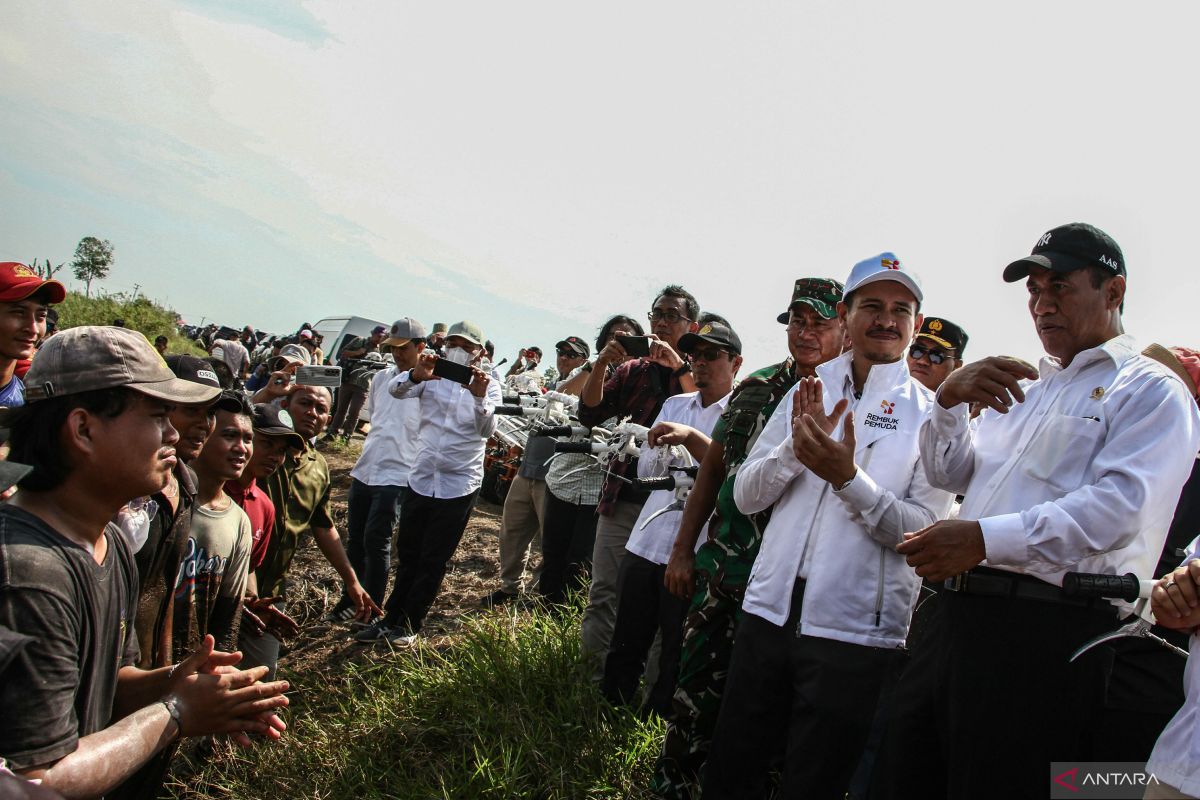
[
  {"x": 829, "y": 460},
  {"x": 991, "y": 382}
]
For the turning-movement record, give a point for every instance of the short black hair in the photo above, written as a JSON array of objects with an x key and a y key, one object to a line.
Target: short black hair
[
  {"x": 224, "y": 373},
  {"x": 1099, "y": 275},
  {"x": 674, "y": 290},
  {"x": 613, "y": 322},
  {"x": 160, "y": 338},
  {"x": 709, "y": 317},
  {"x": 36, "y": 437}
]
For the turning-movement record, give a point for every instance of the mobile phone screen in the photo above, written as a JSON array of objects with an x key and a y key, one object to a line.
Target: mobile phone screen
[
  {"x": 636, "y": 346},
  {"x": 452, "y": 372}
]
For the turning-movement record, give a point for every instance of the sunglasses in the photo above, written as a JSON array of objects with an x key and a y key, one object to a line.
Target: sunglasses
[
  {"x": 706, "y": 355},
  {"x": 568, "y": 354},
  {"x": 935, "y": 356}
]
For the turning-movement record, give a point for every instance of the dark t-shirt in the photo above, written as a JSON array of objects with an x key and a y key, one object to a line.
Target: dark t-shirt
[
  {"x": 61, "y": 686},
  {"x": 158, "y": 565}
]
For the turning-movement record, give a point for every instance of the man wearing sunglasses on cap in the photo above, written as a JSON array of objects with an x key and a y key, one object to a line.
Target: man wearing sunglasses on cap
[{"x": 936, "y": 351}]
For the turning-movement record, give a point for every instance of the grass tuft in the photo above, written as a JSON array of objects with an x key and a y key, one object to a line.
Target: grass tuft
[{"x": 508, "y": 710}]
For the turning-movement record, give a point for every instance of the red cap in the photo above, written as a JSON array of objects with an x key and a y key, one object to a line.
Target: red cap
[{"x": 18, "y": 281}]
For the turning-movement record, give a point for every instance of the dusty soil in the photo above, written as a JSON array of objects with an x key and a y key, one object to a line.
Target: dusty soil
[{"x": 314, "y": 587}]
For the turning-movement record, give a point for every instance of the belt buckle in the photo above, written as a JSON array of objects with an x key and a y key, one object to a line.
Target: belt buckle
[{"x": 958, "y": 583}]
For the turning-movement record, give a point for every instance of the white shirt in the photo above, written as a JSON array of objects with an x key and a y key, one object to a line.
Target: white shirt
[
  {"x": 655, "y": 541},
  {"x": 1176, "y": 757},
  {"x": 843, "y": 543},
  {"x": 454, "y": 429},
  {"x": 393, "y": 442},
  {"x": 1084, "y": 475}
]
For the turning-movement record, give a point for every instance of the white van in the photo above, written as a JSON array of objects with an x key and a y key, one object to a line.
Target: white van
[{"x": 339, "y": 330}]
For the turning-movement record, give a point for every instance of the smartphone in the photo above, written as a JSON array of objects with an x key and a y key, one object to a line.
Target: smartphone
[
  {"x": 317, "y": 375},
  {"x": 636, "y": 346},
  {"x": 453, "y": 372}
]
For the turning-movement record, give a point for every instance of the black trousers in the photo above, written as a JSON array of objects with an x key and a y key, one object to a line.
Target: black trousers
[
  {"x": 430, "y": 530},
  {"x": 568, "y": 536},
  {"x": 644, "y": 608},
  {"x": 811, "y": 698},
  {"x": 989, "y": 699}
]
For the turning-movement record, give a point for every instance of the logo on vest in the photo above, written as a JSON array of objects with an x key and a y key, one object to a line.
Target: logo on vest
[{"x": 885, "y": 421}]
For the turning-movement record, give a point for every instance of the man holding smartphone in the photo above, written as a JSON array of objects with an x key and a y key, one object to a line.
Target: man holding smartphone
[
  {"x": 457, "y": 408},
  {"x": 637, "y": 390}
]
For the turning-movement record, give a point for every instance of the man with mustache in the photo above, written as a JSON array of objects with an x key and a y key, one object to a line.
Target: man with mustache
[
  {"x": 77, "y": 713},
  {"x": 714, "y": 577},
  {"x": 1074, "y": 466},
  {"x": 936, "y": 352},
  {"x": 828, "y": 601}
]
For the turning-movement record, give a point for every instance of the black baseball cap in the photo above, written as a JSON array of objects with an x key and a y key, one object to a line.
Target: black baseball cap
[
  {"x": 712, "y": 333},
  {"x": 945, "y": 333},
  {"x": 234, "y": 402},
  {"x": 1067, "y": 248},
  {"x": 272, "y": 421},
  {"x": 576, "y": 344}
]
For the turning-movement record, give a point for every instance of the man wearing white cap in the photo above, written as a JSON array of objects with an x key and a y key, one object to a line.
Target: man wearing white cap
[
  {"x": 456, "y": 421},
  {"x": 829, "y": 600}
]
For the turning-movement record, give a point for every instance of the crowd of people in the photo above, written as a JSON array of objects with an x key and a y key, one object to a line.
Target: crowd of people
[{"x": 839, "y": 575}]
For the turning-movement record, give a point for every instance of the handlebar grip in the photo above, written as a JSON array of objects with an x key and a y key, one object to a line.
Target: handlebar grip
[
  {"x": 511, "y": 411},
  {"x": 511, "y": 399},
  {"x": 1087, "y": 584},
  {"x": 553, "y": 430},
  {"x": 572, "y": 447},
  {"x": 654, "y": 484}
]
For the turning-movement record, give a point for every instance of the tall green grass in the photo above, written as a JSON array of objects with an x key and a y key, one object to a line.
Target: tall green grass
[
  {"x": 507, "y": 711},
  {"x": 139, "y": 313}
]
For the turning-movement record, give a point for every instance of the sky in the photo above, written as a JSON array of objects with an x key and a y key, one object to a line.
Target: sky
[{"x": 539, "y": 166}]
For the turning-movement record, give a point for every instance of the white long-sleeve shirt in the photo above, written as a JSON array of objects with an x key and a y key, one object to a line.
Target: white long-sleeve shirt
[
  {"x": 655, "y": 541},
  {"x": 859, "y": 589},
  {"x": 393, "y": 442},
  {"x": 1084, "y": 475},
  {"x": 455, "y": 426}
]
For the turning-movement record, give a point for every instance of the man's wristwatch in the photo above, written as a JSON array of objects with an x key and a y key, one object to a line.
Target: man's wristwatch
[{"x": 684, "y": 370}]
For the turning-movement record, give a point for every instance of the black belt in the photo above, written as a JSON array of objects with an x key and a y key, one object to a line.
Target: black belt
[{"x": 986, "y": 582}]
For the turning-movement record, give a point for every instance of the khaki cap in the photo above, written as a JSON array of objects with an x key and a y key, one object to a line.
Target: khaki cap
[{"x": 93, "y": 357}]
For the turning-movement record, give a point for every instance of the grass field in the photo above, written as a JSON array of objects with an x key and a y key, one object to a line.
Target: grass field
[{"x": 504, "y": 711}]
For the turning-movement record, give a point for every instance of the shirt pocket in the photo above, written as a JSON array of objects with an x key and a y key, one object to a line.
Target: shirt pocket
[{"x": 1061, "y": 452}]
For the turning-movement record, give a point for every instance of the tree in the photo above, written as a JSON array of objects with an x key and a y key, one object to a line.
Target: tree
[
  {"x": 93, "y": 259},
  {"x": 46, "y": 270}
]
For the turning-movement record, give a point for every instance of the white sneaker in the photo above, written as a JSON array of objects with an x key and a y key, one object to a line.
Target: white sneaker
[{"x": 400, "y": 637}]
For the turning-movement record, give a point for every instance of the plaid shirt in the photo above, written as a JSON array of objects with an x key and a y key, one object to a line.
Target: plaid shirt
[{"x": 636, "y": 390}]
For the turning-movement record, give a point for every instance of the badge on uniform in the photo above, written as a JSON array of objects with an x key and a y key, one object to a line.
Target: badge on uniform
[{"x": 1098, "y": 392}]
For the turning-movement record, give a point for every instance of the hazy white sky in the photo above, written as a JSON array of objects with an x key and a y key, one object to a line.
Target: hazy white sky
[{"x": 537, "y": 167}]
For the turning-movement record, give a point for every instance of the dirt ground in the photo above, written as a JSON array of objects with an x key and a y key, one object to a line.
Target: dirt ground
[{"x": 314, "y": 587}]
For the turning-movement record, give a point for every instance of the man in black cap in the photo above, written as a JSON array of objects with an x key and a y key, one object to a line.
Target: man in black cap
[
  {"x": 644, "y": 606},
  {"x": 1078, "y": 470},
  {"x": 936, "y": 351}
]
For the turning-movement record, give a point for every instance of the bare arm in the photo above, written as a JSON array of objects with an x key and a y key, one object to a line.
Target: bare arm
[{"x": 680, "y": 577}]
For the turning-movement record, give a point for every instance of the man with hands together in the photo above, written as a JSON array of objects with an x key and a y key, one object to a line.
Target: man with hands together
[{"x": 828, "y": 602}]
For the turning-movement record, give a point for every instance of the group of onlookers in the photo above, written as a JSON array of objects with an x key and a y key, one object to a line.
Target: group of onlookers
[{"x": 839, "y": 575}]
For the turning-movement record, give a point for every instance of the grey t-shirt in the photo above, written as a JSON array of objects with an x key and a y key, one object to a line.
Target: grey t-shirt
[{"x": 61, "y": 686}]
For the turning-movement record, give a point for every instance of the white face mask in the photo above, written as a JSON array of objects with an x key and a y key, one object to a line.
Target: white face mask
[{"x": 457, "y": 355}]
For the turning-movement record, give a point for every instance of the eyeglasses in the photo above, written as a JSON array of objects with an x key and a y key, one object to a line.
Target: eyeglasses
[
  {"x": 706, "y": 355},
  {"x": 935, "y": 356},
  {"x": 670, "y": 316}
]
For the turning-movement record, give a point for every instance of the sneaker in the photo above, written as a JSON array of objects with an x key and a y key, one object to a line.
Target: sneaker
[
  {"x": 340, "y": 613},
  {"x": 497, "y": 599},
  {"x": 373, "y": 632},
  {"x": 400, "y": 637}
]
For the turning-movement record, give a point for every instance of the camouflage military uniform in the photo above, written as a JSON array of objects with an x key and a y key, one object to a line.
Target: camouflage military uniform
[{"x": 722, "y": 569}]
